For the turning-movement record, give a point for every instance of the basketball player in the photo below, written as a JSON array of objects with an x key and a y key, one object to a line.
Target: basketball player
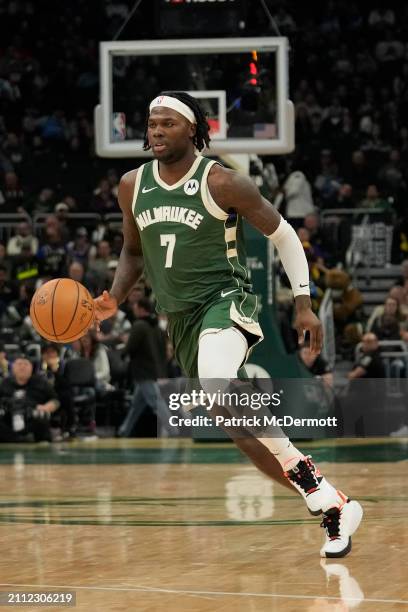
[{"x": 182, "y": 212}]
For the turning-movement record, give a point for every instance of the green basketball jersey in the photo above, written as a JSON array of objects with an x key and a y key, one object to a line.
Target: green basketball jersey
[{"x": 192, "y": 249}]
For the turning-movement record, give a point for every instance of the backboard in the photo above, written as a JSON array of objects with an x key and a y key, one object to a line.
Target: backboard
[{"x": 242, "y": 83}]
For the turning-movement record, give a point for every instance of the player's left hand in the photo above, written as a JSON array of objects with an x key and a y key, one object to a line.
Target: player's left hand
[{"x": 305, "y": 321}]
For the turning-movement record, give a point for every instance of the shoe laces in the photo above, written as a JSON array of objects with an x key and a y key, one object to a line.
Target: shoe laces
[
  {"x": 331, "y": 523},
  {"x": 304, "y": 475}
]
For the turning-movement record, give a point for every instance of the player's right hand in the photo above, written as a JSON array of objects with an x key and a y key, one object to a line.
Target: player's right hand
[{"x": 105, "y": 307}]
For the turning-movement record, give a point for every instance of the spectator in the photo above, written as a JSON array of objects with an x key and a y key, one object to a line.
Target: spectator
[
  {"x": 387, "y": 328},
  {"x": 76, "y": 271},
  {"x": 147, "y": 351},
  {"x": 369, "y": 364},
  {"x": 104, "y": 200},
  {"x": 391, "y": 308},
  {"x": 5, "y": 260},
  {"x": 44, "y": 203},
  {"x": 7, "y": 290},
  {"x": 360, "y": 174},
  {"x": 80, "y": 249},
  {"x": 373, "y": 200},
  {"x": 53, "y": 370},
  {"x": 13, "y": 195},
  {"x": 26, "y": 265},
  {"x": 23, "y": 238},
  {"x": 4, "y": 363},
  {"x": 92, "y": 349},
  {"x": 52, "y": 253},
  {"x": 99, "y": 264},
  {"x": 61, "y": 211},
  {"x": 316, "y": 365},
  {"x": 298, "y": 195},
  {"x": 28, "y": 401}
]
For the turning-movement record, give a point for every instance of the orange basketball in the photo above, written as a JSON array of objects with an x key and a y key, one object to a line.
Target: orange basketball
[{"x": 62, "y": 310}]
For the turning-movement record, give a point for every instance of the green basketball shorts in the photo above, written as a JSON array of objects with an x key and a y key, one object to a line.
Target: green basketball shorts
[{"x": 233, "y": 307}]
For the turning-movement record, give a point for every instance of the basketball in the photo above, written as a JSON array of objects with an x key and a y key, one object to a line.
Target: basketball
[{"x": 62, "y": 310}]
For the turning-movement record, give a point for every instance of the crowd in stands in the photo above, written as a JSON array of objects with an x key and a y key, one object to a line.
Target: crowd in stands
[{"x": 349, "y": 83}]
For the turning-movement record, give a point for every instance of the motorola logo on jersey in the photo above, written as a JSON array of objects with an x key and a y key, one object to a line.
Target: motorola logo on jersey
[{"x": 191, "y": 187}]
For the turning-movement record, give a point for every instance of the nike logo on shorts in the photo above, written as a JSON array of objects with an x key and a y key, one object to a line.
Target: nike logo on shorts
[
  {"x": 225, "y": 293},
  {"x": 307, "y": 284},
  {"x": 145, "y": 190}
]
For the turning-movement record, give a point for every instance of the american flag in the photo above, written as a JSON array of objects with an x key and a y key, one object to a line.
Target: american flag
[{"x": 265, "y": 130}]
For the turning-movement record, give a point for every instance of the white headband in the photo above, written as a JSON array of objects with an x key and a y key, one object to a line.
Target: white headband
[{"x": 175, "y": 104}]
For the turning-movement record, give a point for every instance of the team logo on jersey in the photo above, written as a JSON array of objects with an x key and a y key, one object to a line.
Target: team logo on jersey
[{"x": 191, "y": 187}]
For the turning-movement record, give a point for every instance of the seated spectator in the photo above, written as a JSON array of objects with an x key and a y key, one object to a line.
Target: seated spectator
[
  {"x": 374, "y": 201},
  {"x": 316, "y": 236},
  {"x": 61, "y": 211},
  {"x": 8, "y": 291},
  {"x": 387, "y": 327},
  {"x": 76, "y": 271},
  {"x": 363, "y": 403},
  {"x": 25, "y": 265},
  {"x": 4, "y": 363},
  {"x": 103, "y": 200},
  {"x": 316, "y": 365},
  {"x": 44, "y": 203},
  {"x": 5, "y": 260},
  {"x": 12, "y": 194},
  {"x": 19, "y": 308},
  {"x": 52, "y": 369},
  {"x": 395, "y": 306},
  {"x": 391, "y": 308},
  {"x": 345, "y": 197},
  {"x": 98, "y": 264},
  {"x": 369, "y": 364},
  {"x": 360, "y": 174},
  {"x": 327, "y": 182},
  {"x": 52, "y": 252},
  {"x": 23, "y": 238},
  {"x": 27, "y": 401},
  {"x": 80, "y": 249},
  {"x": 95, "y": 351}
]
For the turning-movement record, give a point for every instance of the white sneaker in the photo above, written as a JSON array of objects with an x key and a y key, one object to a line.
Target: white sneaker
[
  {"x": 340, "y": 524},
  {"x": 318, "y": 493}
]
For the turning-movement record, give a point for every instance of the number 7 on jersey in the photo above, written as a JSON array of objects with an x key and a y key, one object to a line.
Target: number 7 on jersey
[{"x": 168, "y": 240}]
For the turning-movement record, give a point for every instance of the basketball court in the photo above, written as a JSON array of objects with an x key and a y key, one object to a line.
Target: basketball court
[
  {"x": 178, "y": 525},
  {"x": 154, "y": 525}
]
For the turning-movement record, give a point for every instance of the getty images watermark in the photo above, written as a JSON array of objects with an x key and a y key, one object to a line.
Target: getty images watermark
[{"x": 238, "y": 411}]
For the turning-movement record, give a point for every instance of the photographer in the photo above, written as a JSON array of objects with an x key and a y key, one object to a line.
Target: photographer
[{"x": 26, "y": 403}]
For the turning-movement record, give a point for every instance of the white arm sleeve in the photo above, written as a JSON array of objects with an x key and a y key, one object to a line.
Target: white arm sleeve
[{"x": 292, "y": 256}]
